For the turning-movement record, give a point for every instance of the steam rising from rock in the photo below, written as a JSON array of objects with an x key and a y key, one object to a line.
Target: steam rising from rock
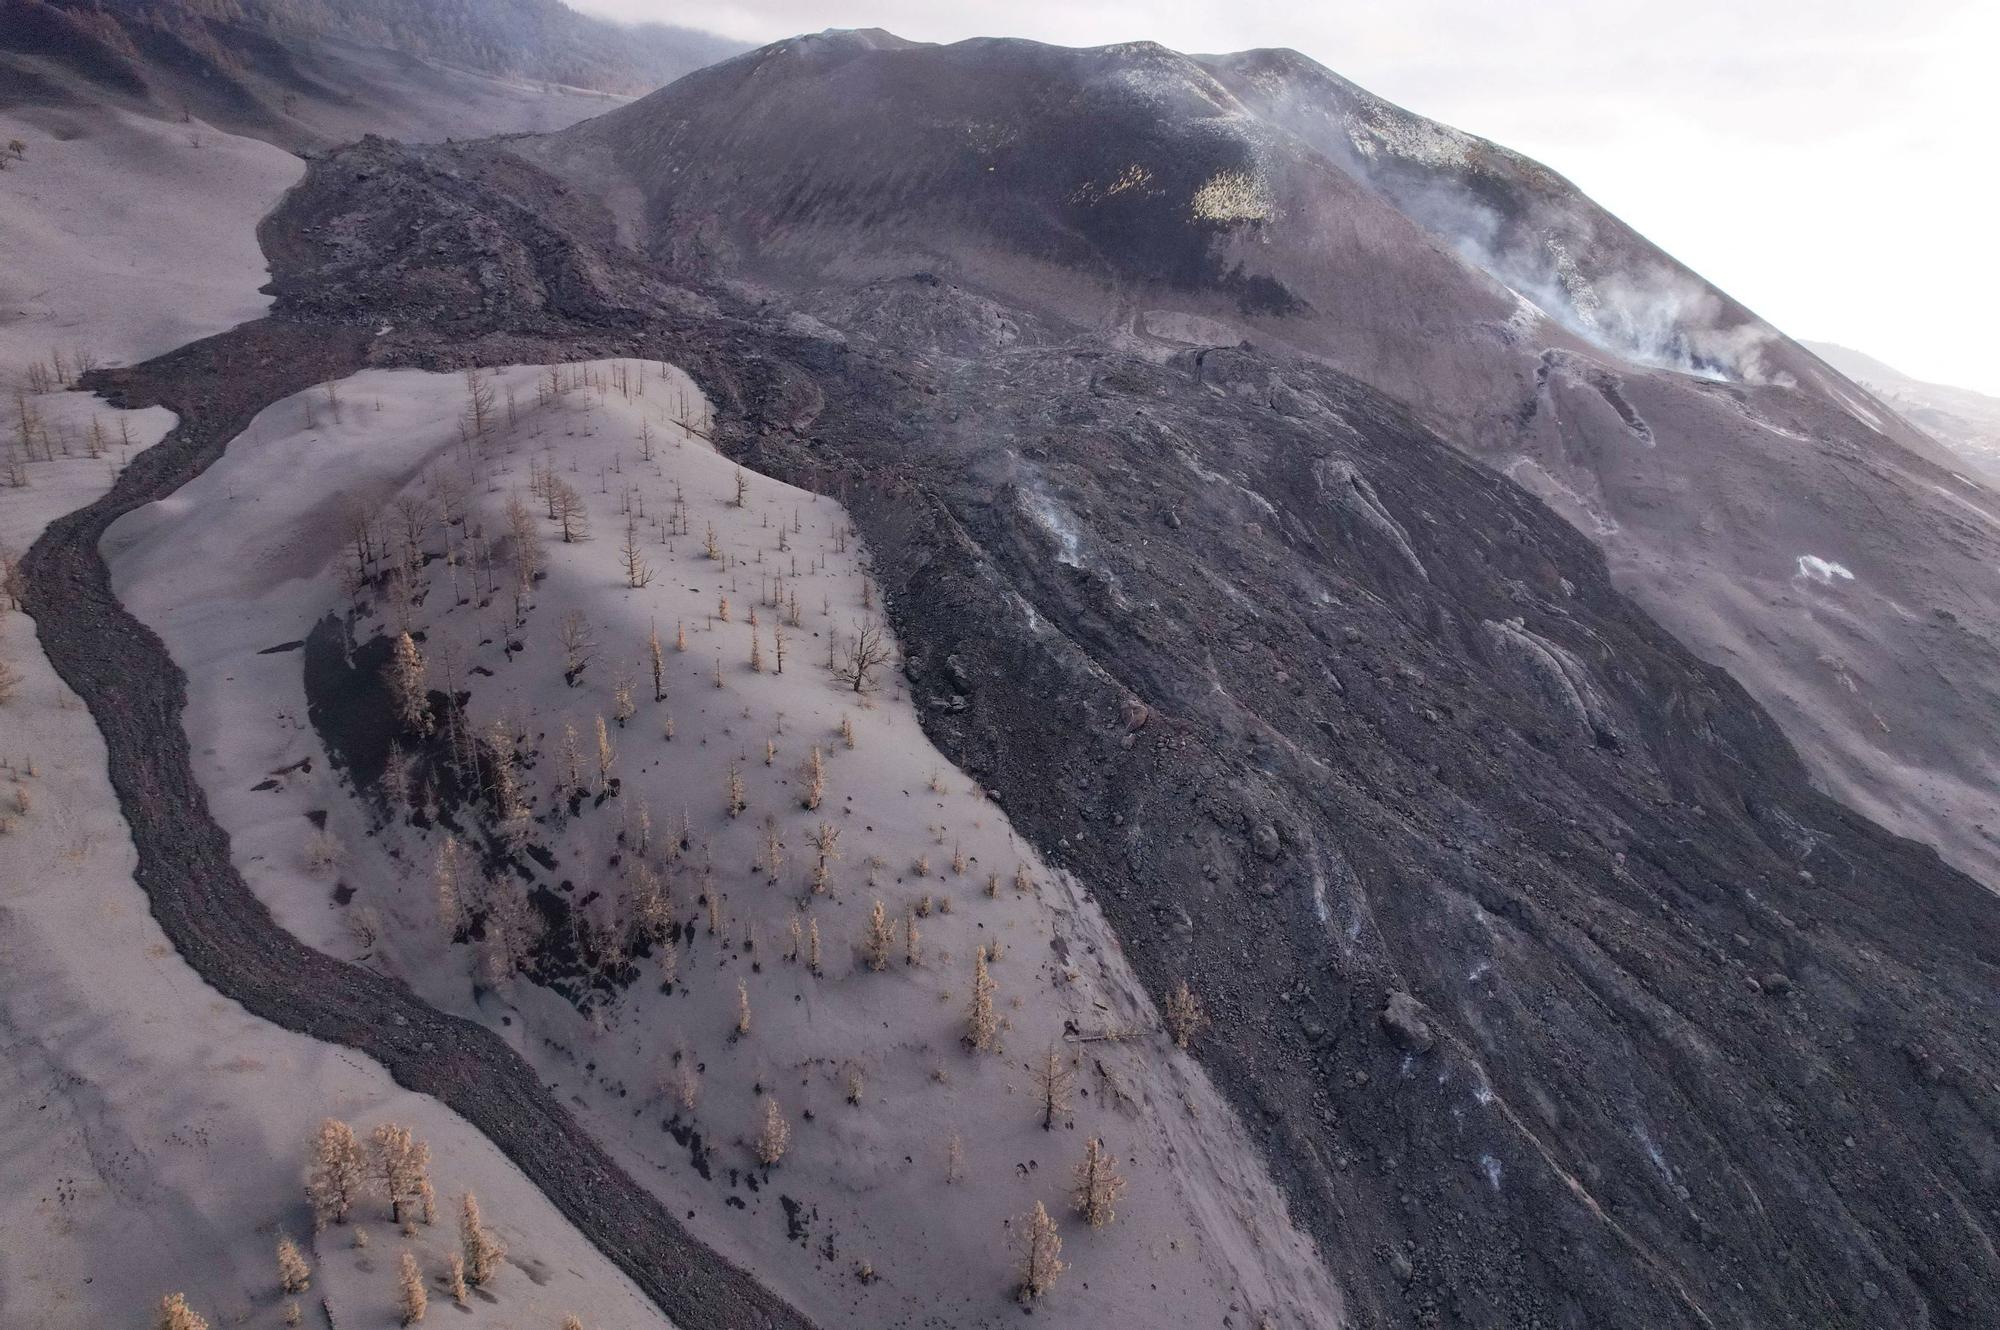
[{"x": 1646, "y": 312}]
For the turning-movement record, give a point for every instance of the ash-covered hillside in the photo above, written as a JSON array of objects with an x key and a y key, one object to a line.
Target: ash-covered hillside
[
  {"x": 1964, "y": 421},
  {"x": 1778, "y": 518},
  {"x": 310, "y": 73},
  {"x": 1552, "y": 990},
  {"x": 1410, "y": 624}
]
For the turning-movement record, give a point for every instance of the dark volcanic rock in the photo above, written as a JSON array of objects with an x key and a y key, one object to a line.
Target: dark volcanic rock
[
  {"x": 1610, "y": 1127},
  {"x": 972, "y": 199},
  {"x": 1403, "y": 1018}
]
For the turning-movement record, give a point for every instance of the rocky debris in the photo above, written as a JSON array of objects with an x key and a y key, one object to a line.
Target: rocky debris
[
  {"x": 1403, "y": 1017},
  {"x": 1558, "y": 675},
  {"x": 955, "y": 671},
  {"x": 1350, "y": 493}
]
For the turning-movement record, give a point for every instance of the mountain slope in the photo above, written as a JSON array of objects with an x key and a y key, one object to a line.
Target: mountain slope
[
  {"x": 1832, "y": 556},
  {"x": 1965, "y": 421},
  {"x": 1553, "y": 992},
  {"x": 306, "y": 73}
]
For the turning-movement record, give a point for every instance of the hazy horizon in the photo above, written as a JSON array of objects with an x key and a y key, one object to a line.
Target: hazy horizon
[{"x": 1780, "y": 153}]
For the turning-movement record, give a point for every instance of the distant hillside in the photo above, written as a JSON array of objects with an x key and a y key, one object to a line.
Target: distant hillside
[
  {"x": 306, "y": 74},
  {"x": 537, "y": 39},
  {"x": 1965, "y": 421},
  {"x": 543, "y": 40}
]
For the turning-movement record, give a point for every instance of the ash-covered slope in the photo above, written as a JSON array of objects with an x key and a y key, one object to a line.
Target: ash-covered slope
[
  {"x": 1555, "y": 993},
  {"x": 1834, "y": 558},
  {"x": 1964, "y": 421},
  {"x": 308, "y": 73}
]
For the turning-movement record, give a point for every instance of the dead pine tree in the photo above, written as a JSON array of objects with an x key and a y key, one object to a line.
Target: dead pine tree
[
  {"x": 1052, "y": 1082},
  {"x": 1097, "y": 1185},
  {"x": 409, "y": 691},
  {"x": 402, "y": 1163},
  {"x": 338, "y": 1175},
  {"x": 981, "y": 1024},
  {"x": 1186, "y": 1018},
  {"x": 294, "y": 1275},
  {"x": 825, "y": 839},
  {"x": 569, "y": 763},
  {"x": 815, "y": 783},
  {"x": 774, "y": 848},
  {"x": 175, "y": 1314},
  {"x": 858, "y": 659},
  {"x": 411, "y": 1300},
  {"x": 448, "y": 875},
  {"x": 658, "y": 661},
  {"x": 638, "y": 572},
  {"x": 579, "y": 645},
  {"x": 685, "y": 1083},
  {"x": 607, "y": 759},
  {"x": 572, "y": 515},
  {"x": 1041, "y": 1261},
  {"x": 881, "y": 939},
  {"x": 479, "y": 404},
  {"x": 501, "y": 782},
  {"x": 483, "y": 1252},
  {"x": 774, "y": 1135}
]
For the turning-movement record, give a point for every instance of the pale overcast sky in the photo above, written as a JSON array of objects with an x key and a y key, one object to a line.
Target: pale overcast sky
[{"x": 1831, "y": 164}]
